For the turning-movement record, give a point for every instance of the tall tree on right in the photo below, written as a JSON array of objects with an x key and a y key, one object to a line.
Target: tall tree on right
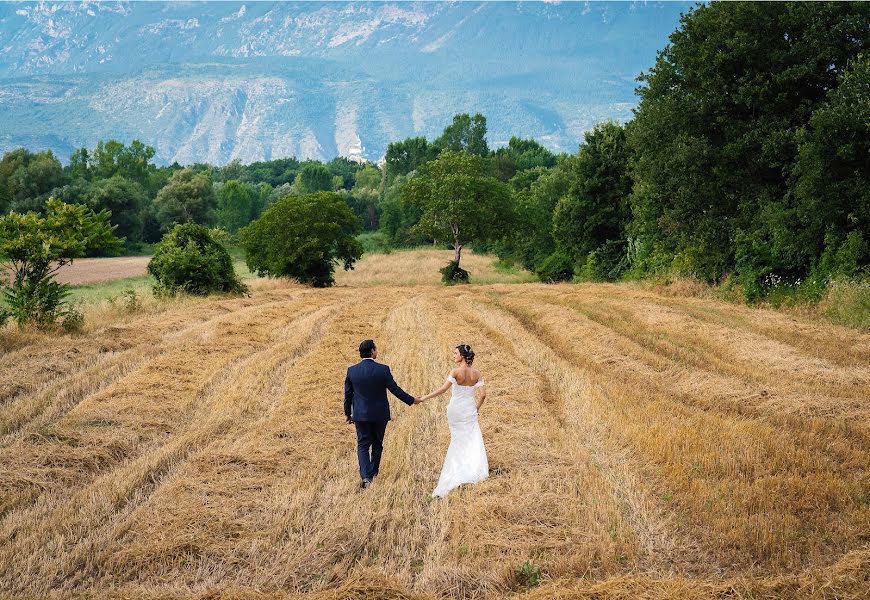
[{"x": 718, "y": 127}]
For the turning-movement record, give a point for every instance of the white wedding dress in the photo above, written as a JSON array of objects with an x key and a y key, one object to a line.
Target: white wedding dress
[{"x": 465, "y": 461}]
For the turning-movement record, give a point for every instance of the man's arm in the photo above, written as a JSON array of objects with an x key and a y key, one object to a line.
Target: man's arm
[
  {"x": 397, "y": 391},
  {"x": 348, "y": 396}
]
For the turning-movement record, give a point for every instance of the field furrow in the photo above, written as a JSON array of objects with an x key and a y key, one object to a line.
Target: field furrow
[{"x": 639, "y": 445}]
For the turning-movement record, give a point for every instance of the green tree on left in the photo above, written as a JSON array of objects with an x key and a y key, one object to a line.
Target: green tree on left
[{"x": 37, "y": 246}]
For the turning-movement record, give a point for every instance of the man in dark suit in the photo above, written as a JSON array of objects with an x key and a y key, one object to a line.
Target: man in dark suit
[{"x": 366, "y": 406}]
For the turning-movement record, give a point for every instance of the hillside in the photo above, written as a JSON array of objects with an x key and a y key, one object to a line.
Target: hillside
[
  {"x": 227, "y": 80},
  {"x": 640, "y": 446}
]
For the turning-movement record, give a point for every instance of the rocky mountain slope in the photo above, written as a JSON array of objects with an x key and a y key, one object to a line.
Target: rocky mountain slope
[{"x": 218, "y": 81}]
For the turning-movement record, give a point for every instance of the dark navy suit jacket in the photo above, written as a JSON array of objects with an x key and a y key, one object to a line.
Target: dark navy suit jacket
[{"x": 365, "y": 391}]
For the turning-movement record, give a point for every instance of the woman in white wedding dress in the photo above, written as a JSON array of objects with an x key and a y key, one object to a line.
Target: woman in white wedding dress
[{"x": 465, "y": 461}]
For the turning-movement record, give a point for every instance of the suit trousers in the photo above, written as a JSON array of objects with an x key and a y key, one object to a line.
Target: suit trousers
[{"x": 369, "y": 437}]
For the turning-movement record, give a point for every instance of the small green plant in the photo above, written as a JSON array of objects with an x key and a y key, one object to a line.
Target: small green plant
[
  {"x": 528, "y": 575},
  {"x": 453, "y": 274},
  {"x": 130, "y": 300},
  {"x": 73, "y": 320}
]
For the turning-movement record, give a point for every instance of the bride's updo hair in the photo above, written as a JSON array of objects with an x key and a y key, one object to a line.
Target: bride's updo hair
[{"x": 466, "y": 352}]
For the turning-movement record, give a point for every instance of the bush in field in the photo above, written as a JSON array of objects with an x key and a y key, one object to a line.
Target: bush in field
[
  {"x": 303, "y": 237},
  {"x": 35, "y": 247},
  {"x": 452, "y": 274},
  {"x": 189, "y": 260},
  {"x": 556, "y": 267}
]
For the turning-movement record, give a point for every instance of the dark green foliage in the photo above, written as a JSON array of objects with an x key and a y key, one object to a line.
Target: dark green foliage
[
  {"x": 406, "y": 156},
  {"x": 831, "y": 198},
  {"x": 37, "y": 246},
  {"x": 27, "y": 178},
  {"x": 453, "y": 274},
  {"x": 530, "y": 240},
  {"x": 188, "y": 260},
  {"x": 346, "y": 169},
  {"x": 397, "y": 218},
  {"x": 459, "y": 202},
  {"x": 721, "y": 119},
  {"x": 556, "y": 267},
  {"x": 237, "y": 205},
  {"x": 606, "y": 263},
  {"x": 595, "y": 211},
  {"x": 186, "y": 198},
  {"x": 124, "y": 199},
  {"x": 303, "y": 237},
  {"x": 521, "y": 155},
  {"x": 314, "y": 177},
  {"x": 464, "y": 134},
  {"x": 364, "y": 197}
]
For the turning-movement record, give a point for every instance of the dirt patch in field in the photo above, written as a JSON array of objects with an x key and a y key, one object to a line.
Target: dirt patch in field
[{"x": 95, "y": 270}]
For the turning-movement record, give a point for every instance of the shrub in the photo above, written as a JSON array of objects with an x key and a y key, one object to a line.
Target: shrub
[
  {"x": 606, "y": 263},
  {"x": 189, "y": 260},
  {"x": 73, "y": 320},
  {"x": 453, "y": 274},
  {"x": 556, "y": 267},
  {"x": 303, "y": 237}
]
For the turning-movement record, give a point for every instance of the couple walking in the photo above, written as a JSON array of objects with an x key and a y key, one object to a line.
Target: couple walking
[{"x": 366, "y": 406}]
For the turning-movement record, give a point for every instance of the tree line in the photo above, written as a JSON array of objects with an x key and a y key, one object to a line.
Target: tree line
[
  {"x": 746, "y": 162},
  {"x": 145, "y": 200}
]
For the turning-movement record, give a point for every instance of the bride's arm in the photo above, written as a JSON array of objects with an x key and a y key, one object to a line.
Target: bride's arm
[
  {"x": 437, "y": 392},
  {"x": 482, "y": 397}
]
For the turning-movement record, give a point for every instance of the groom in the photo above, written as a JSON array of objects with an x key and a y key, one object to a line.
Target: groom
[{"x": 366, "y": 406}]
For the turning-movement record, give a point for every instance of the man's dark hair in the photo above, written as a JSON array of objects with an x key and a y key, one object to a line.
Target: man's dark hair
[{"x": 366, "y": 348}]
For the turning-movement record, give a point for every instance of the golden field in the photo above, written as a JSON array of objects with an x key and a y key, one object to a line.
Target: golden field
[{"x": 640, "y": 446}]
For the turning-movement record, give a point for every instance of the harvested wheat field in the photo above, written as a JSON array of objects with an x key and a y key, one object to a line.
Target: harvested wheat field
[{"x": 640, "y": 446}]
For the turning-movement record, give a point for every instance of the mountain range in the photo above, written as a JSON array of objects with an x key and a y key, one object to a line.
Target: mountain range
[{"x": 217, "y": 81}]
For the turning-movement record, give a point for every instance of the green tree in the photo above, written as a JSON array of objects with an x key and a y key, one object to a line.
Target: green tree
[
  {"x": 365, "y": 195},
  {"x": 79, "y": 165},
  {"x": 186, "y": 198},
  {"x": 530, "y": 239},
  {"x": 594, "y": 213},
  {"x": 314, "y": 177},
  {"x": 464, "y": 134},
  {"x": 36, "y": 246},
  {"x": 831, "y": 177},
  {"x": 398, "y": 218},
  {"x": 345, "y": 169},
  {"x": 124, "y": 200},
  {"x": 189, "y": 260},
  {"x": 718, "y": 125},
  {"x": 303, "y": 237},
  {"x": 237, "y": 205},
  {"x": 521, "y": 155},
  {"x": 459, "y": 202},
  {"x": 406, "y": 156},
  {"x": 26, "y": 179}
]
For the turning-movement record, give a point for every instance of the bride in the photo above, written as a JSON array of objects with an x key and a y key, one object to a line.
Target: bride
[{"x": 466, "y": 457}]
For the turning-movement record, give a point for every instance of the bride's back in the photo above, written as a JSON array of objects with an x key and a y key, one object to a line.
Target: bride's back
[{"x": 466, "y": 376}]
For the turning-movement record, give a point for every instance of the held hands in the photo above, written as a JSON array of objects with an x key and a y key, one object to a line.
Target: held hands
[{"x": 418, "y": 400}]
